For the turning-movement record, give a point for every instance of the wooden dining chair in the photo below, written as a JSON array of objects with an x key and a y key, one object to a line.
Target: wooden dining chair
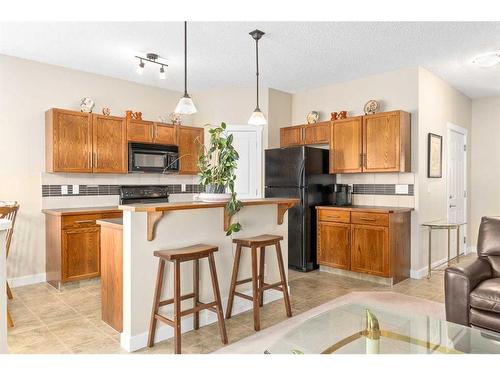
[{"x": 9, "y": 212}]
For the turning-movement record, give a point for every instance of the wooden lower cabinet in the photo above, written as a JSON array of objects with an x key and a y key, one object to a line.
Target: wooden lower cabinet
[
  {"x": 370, "y": 250},
  {"x": 73, "y": 248},
  {"x": 334, "y": 248},
  {"x": 372, "y": 241},
  {"x": 81, "y": 251}
]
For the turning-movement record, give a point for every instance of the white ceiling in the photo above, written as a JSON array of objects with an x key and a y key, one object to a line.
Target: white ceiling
[{"x": 293, "y": 55}]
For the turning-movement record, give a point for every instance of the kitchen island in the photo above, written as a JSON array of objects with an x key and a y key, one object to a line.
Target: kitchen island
[{"x": 150, "y": 227}]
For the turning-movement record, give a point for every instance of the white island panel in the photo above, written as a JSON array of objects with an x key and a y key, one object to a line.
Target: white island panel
[{"x": 184, "y": 228}]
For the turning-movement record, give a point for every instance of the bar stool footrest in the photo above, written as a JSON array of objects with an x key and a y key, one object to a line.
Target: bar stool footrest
[
  {"x": 275, "y": 286},
  {"x": 241, "y": 295},
  {"x": 171, "y": 300},
  {"x": 244, "y": 281}
]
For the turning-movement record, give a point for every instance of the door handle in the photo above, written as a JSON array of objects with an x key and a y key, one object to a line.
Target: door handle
[
  {"x": 360, "y": 160},
  {"x": 367, "y": 219},
  {"x": 83, "y": 221},
  {"x": 453, "y": 205}
]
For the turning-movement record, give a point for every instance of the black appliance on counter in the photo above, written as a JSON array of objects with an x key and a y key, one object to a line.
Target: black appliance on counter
[
  {"x": 342, "y": 195},
  {"x": 300, "y": 172},
  {"x": 143, "y": 194},
  {"x": 152, "y": 158}
]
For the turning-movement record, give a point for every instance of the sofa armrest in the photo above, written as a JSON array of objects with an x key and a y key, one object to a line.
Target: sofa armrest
[{"x": 459, "y": 281}]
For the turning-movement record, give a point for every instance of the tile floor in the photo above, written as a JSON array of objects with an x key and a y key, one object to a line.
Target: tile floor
[{"x": 68, "y": 321}]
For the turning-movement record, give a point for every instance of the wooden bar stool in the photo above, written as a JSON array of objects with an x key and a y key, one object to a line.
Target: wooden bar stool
[
  {"x": 177, "y": 256},
  {"x": 9, "y": 212},
  {"x": 258, "y": 283}
]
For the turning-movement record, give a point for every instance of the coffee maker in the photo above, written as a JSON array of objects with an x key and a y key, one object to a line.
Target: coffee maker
[{"x": 342, "y": 195}]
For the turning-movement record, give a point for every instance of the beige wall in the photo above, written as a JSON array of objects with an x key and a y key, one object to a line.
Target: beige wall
[
  {"x": 485, "y": 170},
  {"x": 32, "y": 89},
  {"x": 438, "y": 104},
  {"x": 280, "y": 114}
]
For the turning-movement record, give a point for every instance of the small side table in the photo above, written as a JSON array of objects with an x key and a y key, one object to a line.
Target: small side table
[{"x": 448, "y": 225}]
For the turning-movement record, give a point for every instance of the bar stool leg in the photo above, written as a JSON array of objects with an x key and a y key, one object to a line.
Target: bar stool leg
[
  {"x": 255, "y": 291},
  {"x": 261, "y": 275},
  {"x": 9, "y": 292},
  {"x": 234, "y": 278},
  {"x": 177, "y": 306},
  {"x": 215, "y": 286},
  {"x": 10, "y": 322},
  {"x": 284, "y": 285},
  {"x": 156, "y": 302},
  {"x": 196, "y": 292}
]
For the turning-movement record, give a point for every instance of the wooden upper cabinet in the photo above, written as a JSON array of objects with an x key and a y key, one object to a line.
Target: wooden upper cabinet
[
  {"x": 165, "y": 134},
  {"x": 346, "y": 145},
  {"x": 370, "y": 251},
  {"x": 292, "y": 136},
  {"x": 109, "y": 144},
  {"x": 334, "y": 244},
  {"x": 68, "y": 141},
  {"x": 190, "y": 146},
  {"x": 386, "y": 142},
  {"x": 317, "y": 133},
  {"x": 140, "y": 131}
]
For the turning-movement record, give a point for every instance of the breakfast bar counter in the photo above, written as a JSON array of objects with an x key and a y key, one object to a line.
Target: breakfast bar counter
[{"x": 151, "y": 227}]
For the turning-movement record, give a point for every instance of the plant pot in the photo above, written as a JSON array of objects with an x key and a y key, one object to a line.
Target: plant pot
[
  {"x": 215, "y": 197},
  {"x": 215, "y": 193}
]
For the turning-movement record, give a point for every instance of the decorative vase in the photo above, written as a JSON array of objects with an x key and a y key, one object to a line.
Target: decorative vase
[{"x": 215, "y": 193}]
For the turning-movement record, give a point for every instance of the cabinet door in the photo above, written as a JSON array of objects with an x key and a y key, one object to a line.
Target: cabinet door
[
  {"x": 381, "y": 142},
  {"x": 346, "y": 146},
  {"x": 317, "y": 133},
  {"x": 165, "y": 134},
  {"x": 370, "y": 249},
  {"x": 110, "y": 144},
  {"x": 334, "y": 249},
  {"x": 190, "y": 146},
  {"x": 71, "y": 140},
  {"x": 140, "y": 131},
  {"x": 80, "y": 253},
  {"x": 292, "y": 136}
]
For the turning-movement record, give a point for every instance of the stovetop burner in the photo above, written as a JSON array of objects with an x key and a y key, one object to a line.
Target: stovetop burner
[{"x": 143, "y": 194}]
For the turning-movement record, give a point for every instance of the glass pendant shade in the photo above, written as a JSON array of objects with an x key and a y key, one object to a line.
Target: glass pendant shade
[
  {"x": 185, "y": 106},
  {"x": 257, "y": 118},
  {"x": 488, "y": 60}
]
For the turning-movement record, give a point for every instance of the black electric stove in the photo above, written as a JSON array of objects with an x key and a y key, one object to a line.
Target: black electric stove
[{"x": 143, "y": 194}]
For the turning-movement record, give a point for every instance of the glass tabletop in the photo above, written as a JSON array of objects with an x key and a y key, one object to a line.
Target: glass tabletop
[
  {"x": 444, "y": 224},
  {"x": 358, "y": 329}
]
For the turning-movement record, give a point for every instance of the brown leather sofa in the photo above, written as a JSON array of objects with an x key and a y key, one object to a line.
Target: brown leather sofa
[{"x": 472, "y": 291}]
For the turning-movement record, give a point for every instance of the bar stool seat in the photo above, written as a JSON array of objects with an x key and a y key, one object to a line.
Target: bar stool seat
[
  {"x": 257, "y": 279},
  {"x": 177, "y": 256}
]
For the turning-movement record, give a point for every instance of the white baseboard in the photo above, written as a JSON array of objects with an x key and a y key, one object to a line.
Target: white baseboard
[
  {"x": 422, "y": 272},
  {"x": 27, "y": 280},
  {"x": 164, "y": 332}
]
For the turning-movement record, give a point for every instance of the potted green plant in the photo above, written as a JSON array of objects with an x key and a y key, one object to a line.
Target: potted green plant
[{"x": 217, "y": 164}]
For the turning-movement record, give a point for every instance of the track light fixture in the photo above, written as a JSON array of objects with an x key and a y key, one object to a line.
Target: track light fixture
[{"x": 151, "y": 57}]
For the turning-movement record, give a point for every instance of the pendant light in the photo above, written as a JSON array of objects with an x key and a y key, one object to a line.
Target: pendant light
[
  {"x": 257, "y": 117},
  {"x": 185, "y": 105}
]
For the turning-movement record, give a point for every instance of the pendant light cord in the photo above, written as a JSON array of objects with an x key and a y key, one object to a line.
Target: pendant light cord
[
  {"x": 257, "y": 64},
  {"x": 185, "y": 59}
]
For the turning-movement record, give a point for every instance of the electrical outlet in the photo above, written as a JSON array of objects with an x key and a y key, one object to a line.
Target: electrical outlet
[
  {"x": 76, "y": 189},
  {"x": 401, "y": 189},
  {"x": 64, "y": 189}
]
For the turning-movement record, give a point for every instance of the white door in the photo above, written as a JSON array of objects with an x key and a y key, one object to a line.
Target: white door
[
  {"x": 247, "y": 140},
  {"x": 457, "y": 187}
]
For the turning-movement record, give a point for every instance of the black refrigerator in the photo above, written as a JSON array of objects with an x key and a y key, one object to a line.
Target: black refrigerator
[{"x": 300, "y": 172}]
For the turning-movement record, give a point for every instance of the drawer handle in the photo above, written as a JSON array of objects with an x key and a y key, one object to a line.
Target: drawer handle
[
  {"x": 367, "y": 219},
  {"x": 83, "y": 221}
]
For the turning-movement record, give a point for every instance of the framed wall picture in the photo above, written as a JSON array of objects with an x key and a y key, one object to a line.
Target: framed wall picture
[{"x": 435, "y": 156}]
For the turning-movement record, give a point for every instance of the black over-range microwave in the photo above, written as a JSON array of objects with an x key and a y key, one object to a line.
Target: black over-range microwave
[{"x": 152, "y": 158}]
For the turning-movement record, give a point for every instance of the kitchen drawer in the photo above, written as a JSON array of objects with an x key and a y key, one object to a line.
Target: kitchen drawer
[
  {"x": 87, "y": 220},
  {"x": 339, "y": 216},
  {"x": 370, "y": 218}
]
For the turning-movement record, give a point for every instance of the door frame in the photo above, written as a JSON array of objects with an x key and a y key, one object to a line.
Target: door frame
[
  {"x": 258, "y": 130},
  {"x": 458, "y": 129}
]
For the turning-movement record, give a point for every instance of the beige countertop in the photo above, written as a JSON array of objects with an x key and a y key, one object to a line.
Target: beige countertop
[
  {"x": 79, "y": 210},
  {"x": 381, "y": 209},
  {"x": 112, "y": 223}
]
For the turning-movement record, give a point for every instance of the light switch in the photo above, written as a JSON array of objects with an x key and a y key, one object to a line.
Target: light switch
[
  {"x": 64, "y": 189},
  {"x": 401, "y": 189},
  {"x": 76, "y": 189}
]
